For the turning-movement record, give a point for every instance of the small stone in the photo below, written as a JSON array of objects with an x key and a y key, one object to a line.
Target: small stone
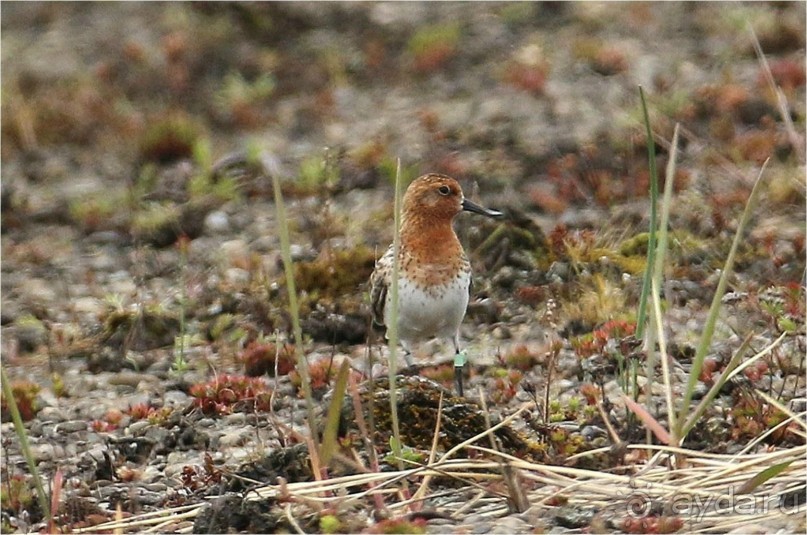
[
  {"x": 138, "y": 428},
  {"x": 590, "y": 432},
  {"x": 235, "y": 251},
  {"x": 43, "y": 452},
  {"x": 88, "y": 305},
  {"x": 127, "y": 378},
  {"x": 237, "y": 276},
  {"x": 234, "y": 438},
  {"x": 558, "y": 271},
  {"x": 236, "y": 418},
  {"x": 501, "y": 332},
  {"x": 38, "y": 291},
  {"x": 51, "y": 414},
  {"x": 480, "y": 527},
  {"x": 510, "y": 524},
  {"x": 175, "y": 398},
  {"x": 105, "y": 237},
  {"x": 71, "y": 426},
  {"x": 217, "y": 222}
]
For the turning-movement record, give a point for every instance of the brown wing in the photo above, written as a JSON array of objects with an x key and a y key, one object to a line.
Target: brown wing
[
  {"x": 379, "y": 283},
  {"x": 378, "y": 300}
]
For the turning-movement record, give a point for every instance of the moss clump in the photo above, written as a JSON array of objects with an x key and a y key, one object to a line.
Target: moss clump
[
  {"x": 433, "y": 46},
  {"x": 31, "y": 332},
  {"x": 418, "y": 401},
  {"x": 169, "y": 138},
  {"x": 335, "y": 273},
  {"x": 99, "y": 211},
  {"x": 149, "y": 328}
]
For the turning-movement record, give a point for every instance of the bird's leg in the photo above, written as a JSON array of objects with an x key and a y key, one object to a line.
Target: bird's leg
[
  {"x": 459, "y": 364},
  {"x": 411, "y": 368}
]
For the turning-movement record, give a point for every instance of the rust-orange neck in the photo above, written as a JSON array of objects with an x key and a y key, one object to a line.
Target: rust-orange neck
[{"x": 430, "y": 240}]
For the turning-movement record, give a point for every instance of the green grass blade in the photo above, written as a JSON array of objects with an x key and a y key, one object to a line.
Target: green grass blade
[
  {"x": 294, "y": 309},
  {"x": 714, "y": 309},
  {"x": 331, "y": 429},
  {"x": 759, "y": 479},
  {"x": 641, "y": 318},
  {"x": 655, "y": 326},
  {"x": 392, "y": 322},
  {"x": 710, "y": 395},
  {"x": 25, "y": 447}
]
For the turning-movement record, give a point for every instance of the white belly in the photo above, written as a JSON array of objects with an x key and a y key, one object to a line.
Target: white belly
[{"x": 433, "y": 313}]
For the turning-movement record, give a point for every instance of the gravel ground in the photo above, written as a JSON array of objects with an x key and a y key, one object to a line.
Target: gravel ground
[{"x": 118, "y": 241}]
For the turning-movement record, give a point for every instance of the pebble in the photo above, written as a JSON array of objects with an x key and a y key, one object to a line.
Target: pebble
[
  {"x": 590, "y": 432},
  {"x": 47, "y": 452},
  {"x": 175, "y": 398},
  {"x": 234, "y": 438},
  {"x": 88, "y": 305},
  {"x": 156, "y": 487},
  {"x": 105, "y": 236},
  {"x": 217, "y": 222},
  {"x": 51, "y": 414},
  {"x": 127, "y": 378},
  {"x": 139, "y": 427},
  {"x": 480, "y": 527},
  {"x": 38, "y": 291},
  {"x": 71, "y": 426},
  {"x": 510, "y": 524},
  {"x": 236, "y": 276},
  {"x": 234, "y": 250},
  {"x": 236, "y": 418}
]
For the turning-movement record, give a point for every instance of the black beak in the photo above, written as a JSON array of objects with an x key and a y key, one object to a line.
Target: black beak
[{"x": 469, "y": 206}]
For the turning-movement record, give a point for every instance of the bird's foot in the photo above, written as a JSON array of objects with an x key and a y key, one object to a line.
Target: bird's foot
[{"x": 459, "y": 364}]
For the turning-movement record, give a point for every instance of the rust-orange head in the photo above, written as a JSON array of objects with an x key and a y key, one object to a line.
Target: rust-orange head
[{"x": 435, "y": 199}]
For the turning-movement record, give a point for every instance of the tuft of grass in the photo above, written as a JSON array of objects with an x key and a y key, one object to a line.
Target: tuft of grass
[
  {"x": 684, "y": 419},
  {"x": 294, "y": 311},
  {"x": 641, "y": 319},
  {"x": 684, "y": 424},
  {"x": 239, "y": 100},
  {"x": 392, "y": 323}
]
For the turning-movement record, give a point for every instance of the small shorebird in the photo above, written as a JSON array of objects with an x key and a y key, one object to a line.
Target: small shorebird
[{"x": 434, "y": 275}]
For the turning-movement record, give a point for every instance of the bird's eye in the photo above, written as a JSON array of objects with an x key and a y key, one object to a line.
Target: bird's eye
[{"x": 444, "y": 190}]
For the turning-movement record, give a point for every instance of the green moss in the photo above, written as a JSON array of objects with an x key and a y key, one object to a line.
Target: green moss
[
  {"x": 238, "y": 98},
  {"x": 329, "y": 524},
  {"x": 637, "y": 245},
  {"x": 335, "y": 273},
  {"x": 147, "y": 328},
  {"x": 155, "y": 217},
  {"x": 431, "y": 47},
  {"x": 94, "y": 212},
  {"x": 169, "y": 138}
]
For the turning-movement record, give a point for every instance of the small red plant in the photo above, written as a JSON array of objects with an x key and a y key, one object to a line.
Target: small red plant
[
  {"x": 261, "y": 358},
  {"x": 751, "y": 417},
  {"x": 226, "y": 393},
  {"x": 24, "y": 393},
  {"x": 139, "y": 411},
  {"x": 505, "y": 385},
  {"x": 521, "y": 358},
  {"x": 652, "y": 524},
  {"x": 591, "y": 392}
]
